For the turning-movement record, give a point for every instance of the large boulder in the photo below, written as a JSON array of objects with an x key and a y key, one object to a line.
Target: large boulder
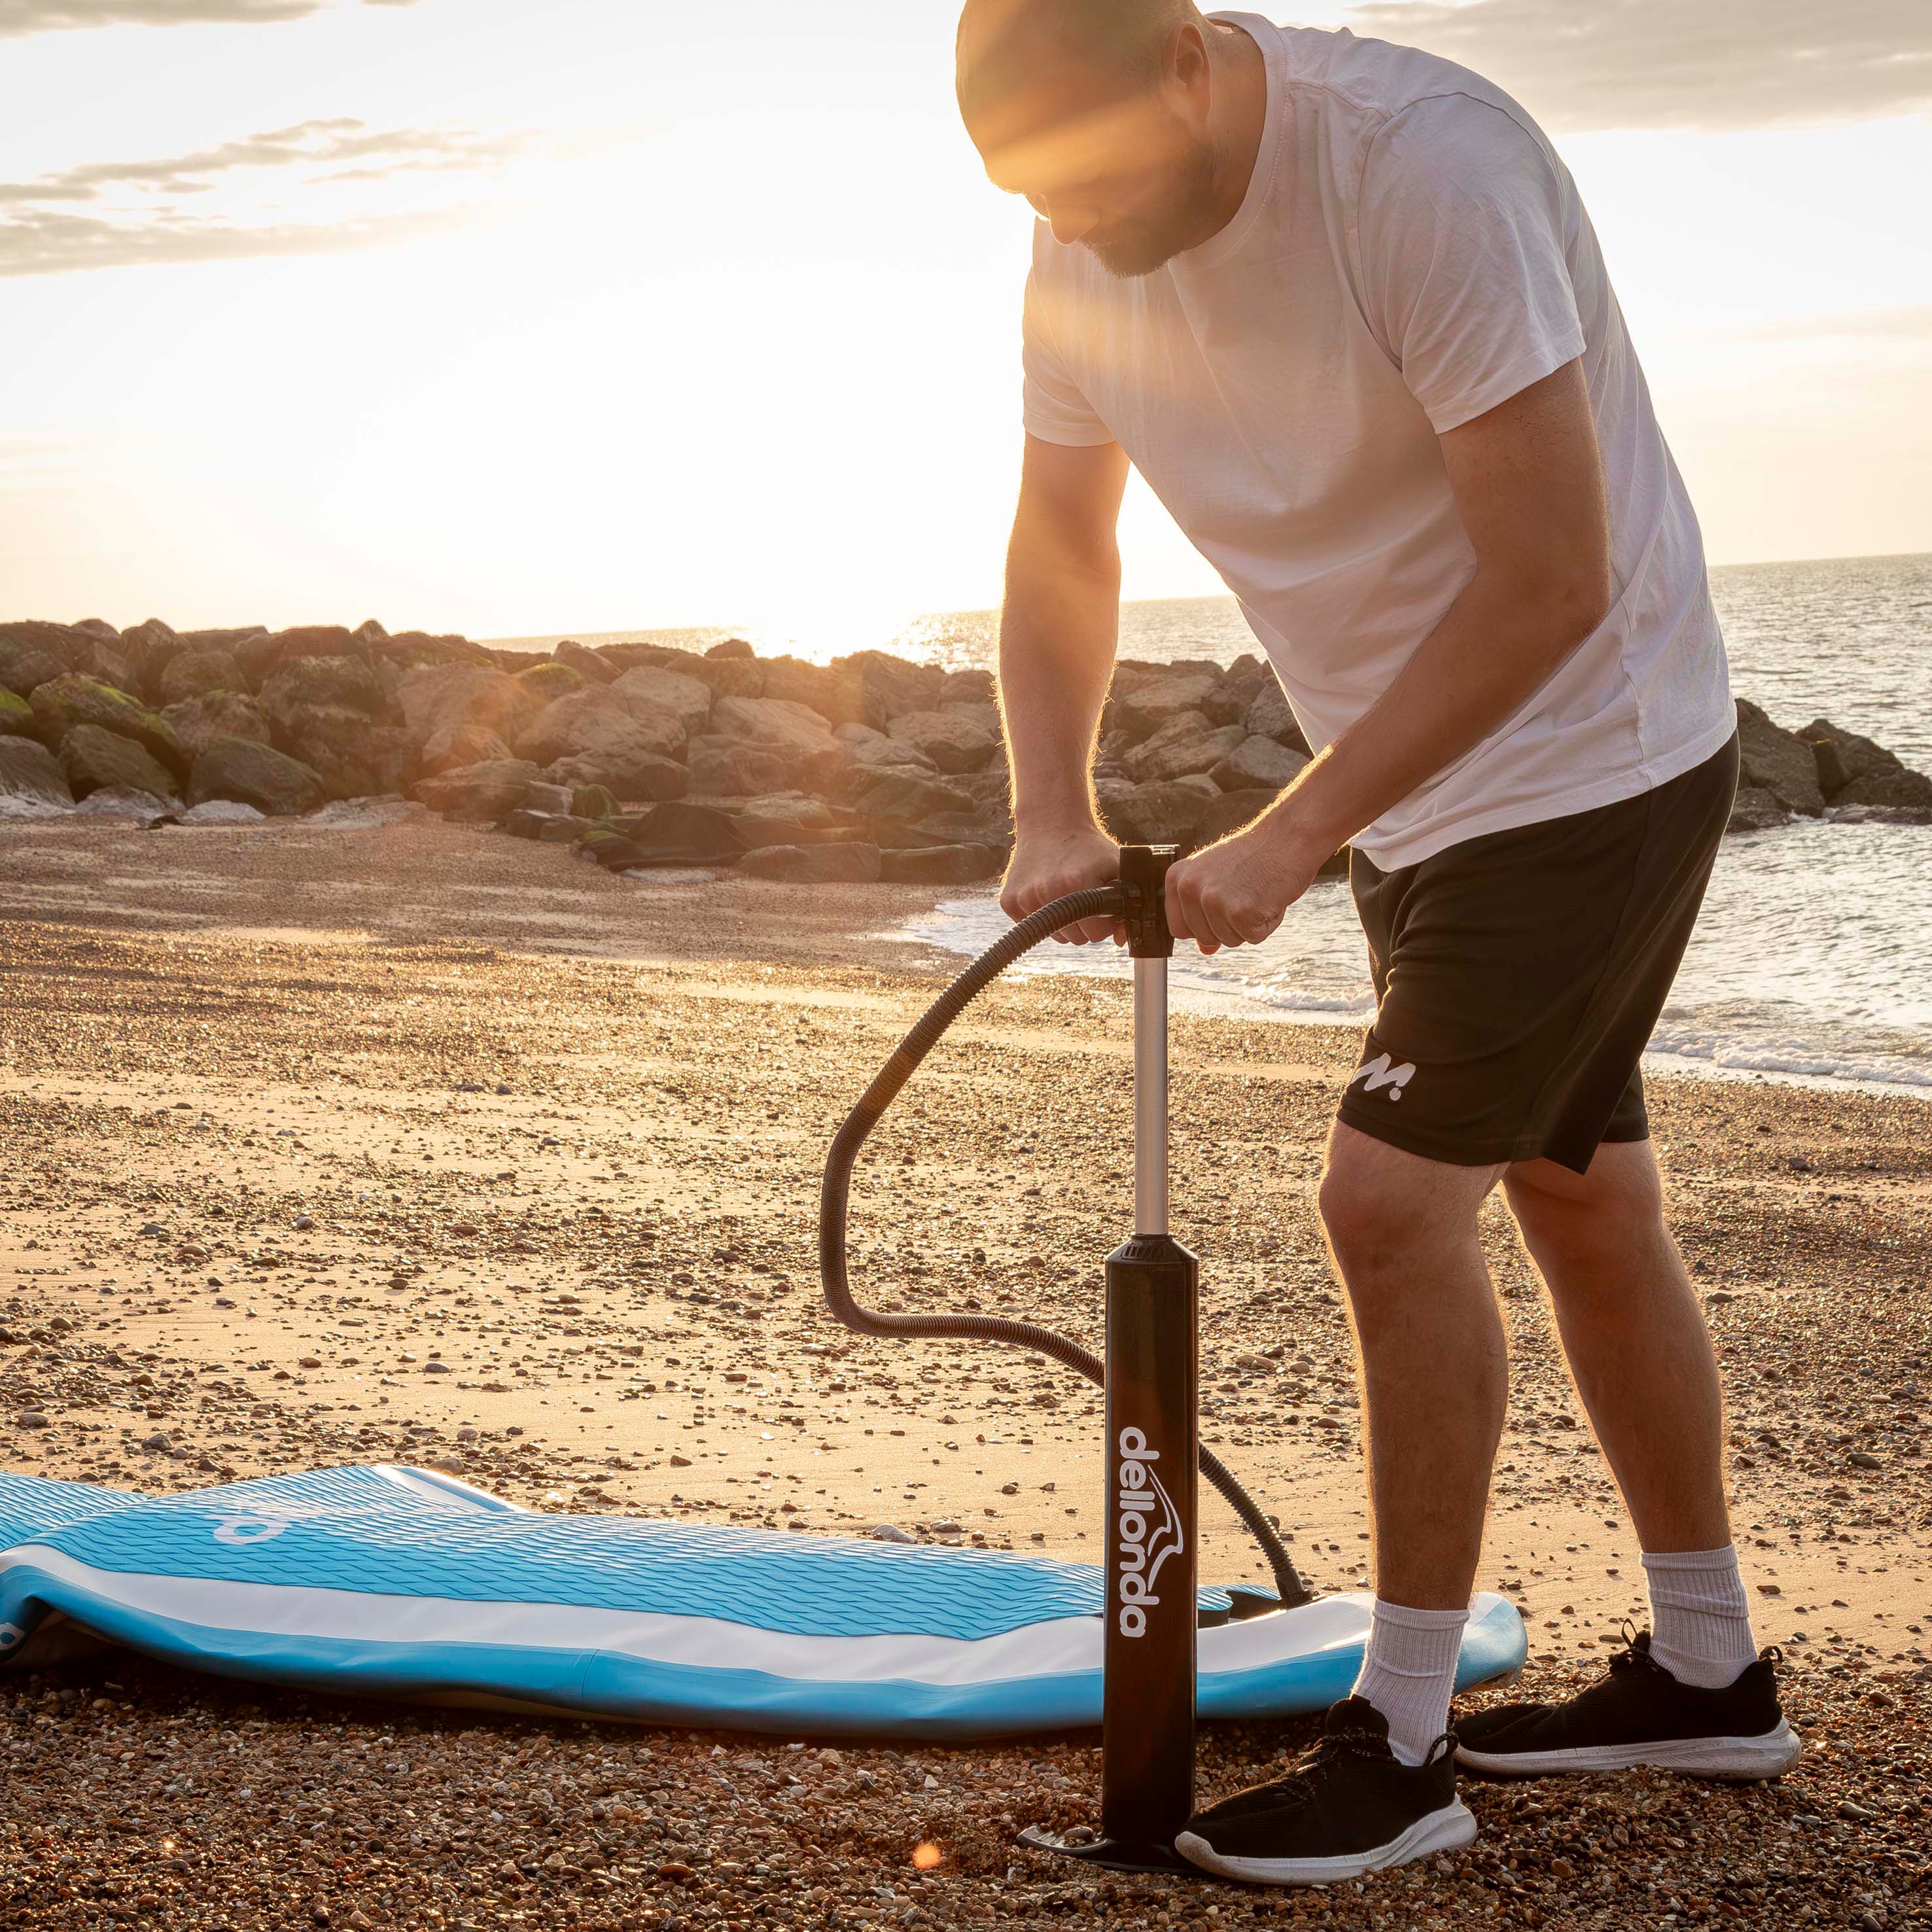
[
  {"x": 477, "y": 794},
  {"x": 879, "y": 750},
  {"x": 1269, "y": 716},
  {"x": 547, "y": 683},
  {"x": 257, "y": 775},
  {"x": 1162, "y": 813},
  {"x": 781, "y": 722},
  {"x": 602, "y": 721},
  {"x": 1755, "y": 810},
  {"x": 438, "y": 696},
  {"x": 586, "y": 662},
  {"x": 32, "y": 654},
  {"x": 852, "y": 863},
  {"x": 198, "y": 721},
  {"x": 263, "y": 656},
  {"x": 906, "y": 797},
  {"x": 1903, "y": 791},
  {"x": 417, "y": 650},
  {"x": 889, "y": 687},
  {"x": 836, "y": 692},
  {"x": 1185, "y": 744},
  {"x": 17, "y": 717},
  {"x": 100, "y": 626},
  {"x": 231, "y": 639},
  {"x": 31, "y": 779},
  {"x": 954, "y": 740},
  {"x": 456, "y": 746},
  {"x": 730, "y": 768},
  {"x": 1846, "y": 760},
  {"x": 1240, "y": 684},
  {"x": 63, "y": 704},
  {"x": 1231, "y": 813},
  {"x": 191, "y": 674},
  {"x": 315, "y": 683},
  {"x": 353, "y": 758},
  {"x": 941, "y": 865},
  {"x": 1143, "y": 710},
  {"x": 1258, "y": 763},
  {"x": 970, "y": 687},
  {"x": 674, "y": 834},
  {"x": 95, "y": 759},
  {"x": 641, "y": 777},
  {"x": 1777, "y": 762},
  {"x": 687, "y": 699}
]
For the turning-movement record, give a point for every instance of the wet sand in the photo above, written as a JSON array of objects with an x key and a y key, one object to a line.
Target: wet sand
[{"x": 418, "y": 1144}]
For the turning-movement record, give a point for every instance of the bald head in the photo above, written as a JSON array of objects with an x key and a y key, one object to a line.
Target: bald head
[{"x": 1008, "y": 47}]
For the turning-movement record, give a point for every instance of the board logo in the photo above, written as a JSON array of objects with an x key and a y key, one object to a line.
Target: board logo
[
  {"x": 1149, "y": 1529},
  {"x": 244, "y": 1530}
]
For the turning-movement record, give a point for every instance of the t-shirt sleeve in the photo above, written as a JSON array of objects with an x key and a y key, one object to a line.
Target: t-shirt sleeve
[
  {"x": 1465, "y": 274},
  {"x": 1054, "y": 408}
]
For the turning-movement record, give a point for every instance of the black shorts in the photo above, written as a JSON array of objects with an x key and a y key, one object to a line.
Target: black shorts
[{"x": 1518, "y": 977}]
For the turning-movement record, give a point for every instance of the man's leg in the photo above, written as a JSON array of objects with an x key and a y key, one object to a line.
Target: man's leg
[
  {"x": 1635, "y": 1336},
  {"x": 1644, "y": 1366},
  {"x": 1434, "y": 1367}
]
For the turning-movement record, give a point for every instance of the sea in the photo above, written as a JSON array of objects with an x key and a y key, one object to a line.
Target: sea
[{"x": 1813, "y": 961}]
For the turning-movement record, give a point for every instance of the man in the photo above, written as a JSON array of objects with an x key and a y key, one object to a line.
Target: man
[{"x": 1339, "y": 302}]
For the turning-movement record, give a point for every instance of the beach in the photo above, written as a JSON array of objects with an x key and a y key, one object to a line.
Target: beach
[{"x": 406, "y": 1142}]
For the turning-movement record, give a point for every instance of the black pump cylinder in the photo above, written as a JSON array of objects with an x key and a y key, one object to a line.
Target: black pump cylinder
[{"x": 1152, "y": 1452}]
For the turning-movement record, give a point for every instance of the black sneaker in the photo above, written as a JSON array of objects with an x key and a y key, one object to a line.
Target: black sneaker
[
  {"x": 1348, "y": 1806},
  {"x": 1639, "y": 1714}
]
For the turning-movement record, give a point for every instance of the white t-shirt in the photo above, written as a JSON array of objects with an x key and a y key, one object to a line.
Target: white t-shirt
[{"x": 1410, "y": 253}]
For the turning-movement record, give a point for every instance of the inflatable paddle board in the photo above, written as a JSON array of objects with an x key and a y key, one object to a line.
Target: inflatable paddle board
[{"x": 402, "y": 1583}]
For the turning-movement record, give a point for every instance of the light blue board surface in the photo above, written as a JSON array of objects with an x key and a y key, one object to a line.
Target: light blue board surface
[{"x": 374, "y": 1535}]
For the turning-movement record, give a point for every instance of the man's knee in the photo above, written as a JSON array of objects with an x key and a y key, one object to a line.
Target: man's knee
[
  {"x": 1619, "y": 1200},
  {"x": 1383, "y": 1208}
]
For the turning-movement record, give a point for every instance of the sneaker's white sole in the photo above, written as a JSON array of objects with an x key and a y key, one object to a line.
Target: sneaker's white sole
[
  {"x": 1442, "y": 1831},
  {"x": 1737, "y": 1759}
]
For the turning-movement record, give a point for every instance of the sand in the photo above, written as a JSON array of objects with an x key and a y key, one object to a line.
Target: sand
[{"x": 414, "y": 1143}]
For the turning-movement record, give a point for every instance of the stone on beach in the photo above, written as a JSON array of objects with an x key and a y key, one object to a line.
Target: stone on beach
[
  {"x": 257, "y": 775},
  {"x": 96, "y": 760},
  {"x": 64, "y": 704},
  {"x": 31, "y": 773},
  {"x": 951, "y": 741},
  {"x": 602, "y": 721},
  {"x": 1185, "y": 744},
  {"x": 941, "y": 865},
  {"x": 847, "y": 864},
  {"x": 1258, "y": 761},
  {"x": 477, "y": 794},
  {"x": 198, "y": 721},
  {"x": 197, "y": 673}
]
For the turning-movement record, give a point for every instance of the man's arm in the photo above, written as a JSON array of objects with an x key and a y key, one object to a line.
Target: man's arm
[
  {"x": 1528, "y": 479},
  {"x": 1059, "y": 629}
]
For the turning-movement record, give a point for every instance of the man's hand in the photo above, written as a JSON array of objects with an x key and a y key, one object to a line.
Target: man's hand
[
  {"x": 1237, "y": 892},
  {"x": 1046, "y": 867}
]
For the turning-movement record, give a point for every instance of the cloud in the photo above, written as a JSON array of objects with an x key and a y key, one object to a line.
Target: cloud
[
  {"x": 127, "y": 213},
  {"x": 43, "y": 16},
  {"x": 1663, "y": 64},
  {"x": 53, "y": 244},
  {"x": 381, "y": 152}
]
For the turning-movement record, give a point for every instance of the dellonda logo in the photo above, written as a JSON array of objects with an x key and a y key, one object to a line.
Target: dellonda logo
[{"x": 1149, "y": 1527}]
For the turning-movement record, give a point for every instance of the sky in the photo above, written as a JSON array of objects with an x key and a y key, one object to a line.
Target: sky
[{"x": 484, "y": 316}]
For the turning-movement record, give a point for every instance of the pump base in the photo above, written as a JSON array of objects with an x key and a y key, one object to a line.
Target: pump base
[{"x": 1109, "y": 1854}]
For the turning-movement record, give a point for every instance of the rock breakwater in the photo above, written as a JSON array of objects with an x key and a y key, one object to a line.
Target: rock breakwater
[{"x": 870, "y": 768}]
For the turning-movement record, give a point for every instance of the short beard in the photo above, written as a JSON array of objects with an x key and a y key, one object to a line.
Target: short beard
[{"x": 1147, "y": 246}]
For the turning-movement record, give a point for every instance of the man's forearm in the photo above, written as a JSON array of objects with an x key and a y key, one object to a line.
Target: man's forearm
[
  {"x": 1497, "y": 646},
  {"x": 1058, "y": 632}
]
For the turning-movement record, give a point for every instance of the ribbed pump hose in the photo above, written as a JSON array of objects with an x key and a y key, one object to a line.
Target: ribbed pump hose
[{"x": 1099, "y": 902}]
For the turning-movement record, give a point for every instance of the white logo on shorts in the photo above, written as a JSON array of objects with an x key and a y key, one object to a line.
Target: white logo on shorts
[{"x": 1378, "y": 1074}]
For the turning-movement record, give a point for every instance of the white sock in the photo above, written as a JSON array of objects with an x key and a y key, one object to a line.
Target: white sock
[
  {"x": 1409, "y": 1674},
  {"x": 1700, "y": 1621}
]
